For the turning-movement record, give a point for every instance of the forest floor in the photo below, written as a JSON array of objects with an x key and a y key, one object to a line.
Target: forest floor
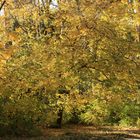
[{"x": 80, "y": 132}]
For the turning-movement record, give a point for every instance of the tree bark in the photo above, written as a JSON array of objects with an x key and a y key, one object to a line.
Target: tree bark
[{"x": 59, "y": 119}]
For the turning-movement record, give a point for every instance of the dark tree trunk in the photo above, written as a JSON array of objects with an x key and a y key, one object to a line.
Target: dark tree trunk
[
  {"x": 59, "y": 119},
  {"x": 62, "y": 91}
]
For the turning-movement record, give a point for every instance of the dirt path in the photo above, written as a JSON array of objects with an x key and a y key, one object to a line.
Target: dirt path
[
  {"x": 73, "y": 132},
  {"x": 79, "y": 132}
]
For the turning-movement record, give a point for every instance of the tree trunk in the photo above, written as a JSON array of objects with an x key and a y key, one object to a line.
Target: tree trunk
[{"x": 59, "y": 119}]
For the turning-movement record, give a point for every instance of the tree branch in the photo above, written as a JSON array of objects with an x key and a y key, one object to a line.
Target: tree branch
[{"x": 2, "y": 4}]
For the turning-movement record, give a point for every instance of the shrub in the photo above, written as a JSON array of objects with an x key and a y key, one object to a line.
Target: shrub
[{"x": 18, "y": 118}]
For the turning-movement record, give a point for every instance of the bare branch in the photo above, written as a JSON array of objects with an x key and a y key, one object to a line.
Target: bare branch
[{"x": 2, "y": 4}]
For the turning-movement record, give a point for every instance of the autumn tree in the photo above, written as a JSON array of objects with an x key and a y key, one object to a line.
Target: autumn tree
[{"x": 66, "y": 58}]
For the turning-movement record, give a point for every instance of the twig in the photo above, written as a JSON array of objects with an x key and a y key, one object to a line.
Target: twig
[{"x": 2, "y": 5}]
